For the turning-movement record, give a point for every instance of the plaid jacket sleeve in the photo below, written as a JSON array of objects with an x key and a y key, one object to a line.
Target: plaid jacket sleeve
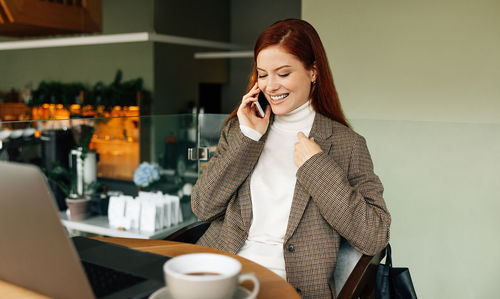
[
  {"x": 233, "y": 161},
  {"x": 349, "y": 197}
]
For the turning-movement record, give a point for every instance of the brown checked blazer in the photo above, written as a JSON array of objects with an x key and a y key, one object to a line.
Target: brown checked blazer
[{"x": 336, "y": 195}]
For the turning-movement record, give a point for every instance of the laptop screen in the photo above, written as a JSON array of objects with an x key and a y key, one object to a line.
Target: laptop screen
[{"x": 35, "y": 252}]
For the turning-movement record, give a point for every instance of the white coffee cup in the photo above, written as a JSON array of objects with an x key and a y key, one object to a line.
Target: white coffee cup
[{"x": 205, "y": 275}]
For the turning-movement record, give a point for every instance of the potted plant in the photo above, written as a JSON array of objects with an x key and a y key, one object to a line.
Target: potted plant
[
  {"x": 82, "y": 162},
  {"x": 72, "y": 181}
]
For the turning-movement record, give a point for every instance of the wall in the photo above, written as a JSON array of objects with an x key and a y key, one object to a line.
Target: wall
[
  {"x": 417, "y": 61},
  {"x": 420, "y": 81},
  {"x": 87, "y": 64},
  {"x": 177, "y": 73},
  {"x": 194, "y": 18}
]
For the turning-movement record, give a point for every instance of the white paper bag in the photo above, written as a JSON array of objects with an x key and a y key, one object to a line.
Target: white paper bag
[
  {"x": 148, "y": 215},
  {"x": 168, "y": 210},
  {"x": 133, "y": 213},
  {"x": 160, "y": 210},
  {"x": 116, "y": 210},
  {"x": 176, "y": 212}
]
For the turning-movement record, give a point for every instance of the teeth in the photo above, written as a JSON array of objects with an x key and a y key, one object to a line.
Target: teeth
[{"x": 279, "y": 97}]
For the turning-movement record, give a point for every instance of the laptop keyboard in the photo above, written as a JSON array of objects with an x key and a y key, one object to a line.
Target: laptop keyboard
[{"x": 105, "y": 281}]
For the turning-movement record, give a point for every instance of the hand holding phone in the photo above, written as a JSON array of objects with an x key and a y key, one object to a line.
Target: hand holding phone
[
  {"x": 248, "y": 112},
  {"x": 261, "y": 104}
]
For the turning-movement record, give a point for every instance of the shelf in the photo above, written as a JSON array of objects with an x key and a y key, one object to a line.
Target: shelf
[
  {"x": 100, "y": 225},
  {"x": 114, "y": 39},
  {"x": 223, "y": 55}
]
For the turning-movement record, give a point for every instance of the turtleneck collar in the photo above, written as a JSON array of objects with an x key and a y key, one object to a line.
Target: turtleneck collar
[{"x": 300, "y": 118}]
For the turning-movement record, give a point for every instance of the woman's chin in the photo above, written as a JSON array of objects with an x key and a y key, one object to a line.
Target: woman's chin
[{"x": 279, "y": 110}]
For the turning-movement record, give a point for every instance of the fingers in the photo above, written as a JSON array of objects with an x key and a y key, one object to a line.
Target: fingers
[
  {"x": 246, "y": 112},
  {"x": 246, "y": 101},
  {"x": 255, "y": 90},
  {"x": 250, "y": 96},
  {"x": 268, "y": 113},
  {"x": 255, "y": 86},
  {"x": 305, "y": 148},
  {"x": 301, "y": 136}
]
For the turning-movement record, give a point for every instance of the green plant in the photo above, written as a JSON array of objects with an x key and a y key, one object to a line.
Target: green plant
[
  {"x": 66, "y": 179},
  {"x": 85, "y": 138},
  {"x": 118, "y": 92},
  {"x": 60, "y": 176},
  {"x": 56, "y": 93}
]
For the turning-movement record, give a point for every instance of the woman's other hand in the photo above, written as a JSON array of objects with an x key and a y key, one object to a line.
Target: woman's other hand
[
  {"x": 304, "y": 149},
  {"x": 247, "y": 113}
]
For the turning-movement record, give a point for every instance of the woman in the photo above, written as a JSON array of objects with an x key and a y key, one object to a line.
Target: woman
[{"x": 278, "y": 197}]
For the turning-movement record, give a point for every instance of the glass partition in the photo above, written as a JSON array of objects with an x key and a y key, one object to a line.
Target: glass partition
[
  {"x": 114, "y": 149},
  {"x": 209, "y": 127}
]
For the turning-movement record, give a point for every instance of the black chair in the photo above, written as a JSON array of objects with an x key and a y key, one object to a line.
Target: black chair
[
  {"x": 354, "y": 276},
  {"x": 360, "y": 282},
  {"x": 189, "y": 234}
]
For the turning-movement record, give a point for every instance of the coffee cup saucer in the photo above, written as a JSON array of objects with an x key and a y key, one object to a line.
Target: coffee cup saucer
[{"x": 164, "y": 293}]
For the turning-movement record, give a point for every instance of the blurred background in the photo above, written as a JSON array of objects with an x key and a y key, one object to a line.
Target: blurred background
[{"x": 420, "y": 81}]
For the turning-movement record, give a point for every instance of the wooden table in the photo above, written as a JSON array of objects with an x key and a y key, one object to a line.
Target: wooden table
[{"x": 271, "y": 285}]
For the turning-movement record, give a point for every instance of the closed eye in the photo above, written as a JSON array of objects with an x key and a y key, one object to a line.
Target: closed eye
[
  {"x": 284, "y": 75},
  {"x": 262, "y": 76}
]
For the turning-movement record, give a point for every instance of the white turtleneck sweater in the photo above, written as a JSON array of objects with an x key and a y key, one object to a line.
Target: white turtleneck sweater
[{"x": 272, "y": 186}]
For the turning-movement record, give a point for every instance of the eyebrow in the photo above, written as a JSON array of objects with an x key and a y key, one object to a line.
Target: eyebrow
[{"x": 277, "y": 69}]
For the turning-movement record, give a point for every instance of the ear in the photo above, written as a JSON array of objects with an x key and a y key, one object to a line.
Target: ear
[{"x": 314, "y": 72}]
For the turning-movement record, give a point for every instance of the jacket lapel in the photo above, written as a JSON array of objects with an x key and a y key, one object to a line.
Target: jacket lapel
[
  {"x": 246, "y": 204},
  {"x": 322, "y": 130}
]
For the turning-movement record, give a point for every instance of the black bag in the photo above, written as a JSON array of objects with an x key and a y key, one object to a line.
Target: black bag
[{"x": 393, "y": 282}]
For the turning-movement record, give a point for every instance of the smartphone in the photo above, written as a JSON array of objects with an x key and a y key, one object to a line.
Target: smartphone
[{"x": 261, "y": 104}]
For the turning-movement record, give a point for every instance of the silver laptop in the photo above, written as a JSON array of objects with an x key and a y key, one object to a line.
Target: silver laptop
[{"x": 36, "y": 253}]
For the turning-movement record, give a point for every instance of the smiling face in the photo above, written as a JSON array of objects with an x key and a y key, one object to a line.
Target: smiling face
[{"x": 283, "y": 79}]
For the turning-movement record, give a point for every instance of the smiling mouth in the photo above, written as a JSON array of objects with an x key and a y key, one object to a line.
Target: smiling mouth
[{"x": 280, "y": 97}]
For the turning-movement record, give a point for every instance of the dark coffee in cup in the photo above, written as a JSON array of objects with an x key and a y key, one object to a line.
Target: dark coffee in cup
[{"x": 203, "y": 273}]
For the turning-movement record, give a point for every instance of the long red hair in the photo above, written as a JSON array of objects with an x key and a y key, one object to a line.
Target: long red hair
[{"x": 300, "y": 39}]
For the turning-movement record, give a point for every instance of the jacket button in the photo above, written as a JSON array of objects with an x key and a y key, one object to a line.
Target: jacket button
[
  {"x": 298, "y": 291},
  {"x": 290, "y": 248}
]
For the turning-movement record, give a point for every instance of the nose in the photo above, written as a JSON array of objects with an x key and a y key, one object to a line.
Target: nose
[{"x": 272, "y": 85}]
